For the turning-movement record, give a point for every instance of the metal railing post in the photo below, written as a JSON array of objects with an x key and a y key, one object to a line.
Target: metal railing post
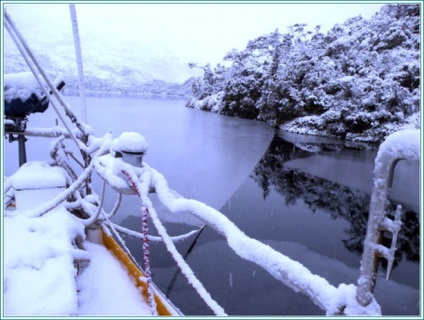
[
  {"x": 402, "y": 145},
  {"x": 383, "y": 179}
]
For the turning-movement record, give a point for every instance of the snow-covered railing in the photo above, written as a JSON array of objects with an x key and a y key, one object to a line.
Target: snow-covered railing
[
  {"x": 41, "y": 132},
  {"x": 402, "y": 145}
]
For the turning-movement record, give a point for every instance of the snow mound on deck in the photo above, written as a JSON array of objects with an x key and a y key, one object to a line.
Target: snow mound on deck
[
  {"x": 37, "y": 175},
  {"x": 106, "y": 289},
  {"x": 39, "y": 273}
]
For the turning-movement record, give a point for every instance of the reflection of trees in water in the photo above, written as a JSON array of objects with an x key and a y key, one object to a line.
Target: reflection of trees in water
[{"x": 340, "y": 201}]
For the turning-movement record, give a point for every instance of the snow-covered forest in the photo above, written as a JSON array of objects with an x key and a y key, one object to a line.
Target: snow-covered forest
[{"x": 360, "y": 81}]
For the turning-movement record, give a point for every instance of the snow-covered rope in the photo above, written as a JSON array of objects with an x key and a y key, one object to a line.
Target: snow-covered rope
[
  {"x": 118, "y": 201},
  {"x": 334, "y": 300},
  {"x": 77, "y": 44},
  {"x": 138, "y": 235},
  {"x": 71, "y": 154},
  {"x": 93, "y": 218},
  {"x": 59, "y": 159},
  {"x": 142, "y": 190},
  {"x": 43, "y": 132},
  {"x": 121, "y": 241},
  {"x": 146, "y": 251},
  {"x": 146, "y": 257}
]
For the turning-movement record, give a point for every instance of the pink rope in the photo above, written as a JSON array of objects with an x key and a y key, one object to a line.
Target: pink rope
[{"x": 146, "y": 251}]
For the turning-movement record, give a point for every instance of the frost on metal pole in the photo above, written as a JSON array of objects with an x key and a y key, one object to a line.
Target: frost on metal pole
[
  {"x": 402, "y": 145},
  {"x": 77, "y": 42}
]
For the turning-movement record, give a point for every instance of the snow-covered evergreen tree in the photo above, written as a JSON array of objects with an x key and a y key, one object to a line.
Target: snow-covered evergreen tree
[{"x": 360, "y": 81}]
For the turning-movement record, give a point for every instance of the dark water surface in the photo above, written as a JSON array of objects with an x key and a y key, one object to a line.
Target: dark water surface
[
  {"x": 306, "y": 197},
  {"x": 311, "y": 206}
]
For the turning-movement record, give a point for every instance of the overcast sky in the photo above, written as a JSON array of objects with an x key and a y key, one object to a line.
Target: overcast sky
[{"x": 195, "y": 32}]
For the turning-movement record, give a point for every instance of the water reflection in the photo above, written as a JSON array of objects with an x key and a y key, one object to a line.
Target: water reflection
[
  {"x": 340, "y": 201},
  {"x": 319, "y": 222}
]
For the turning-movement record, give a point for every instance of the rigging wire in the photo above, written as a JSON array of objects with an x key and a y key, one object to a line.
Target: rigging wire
[
  {"x": 26, "y": 51},
  {"x": 12, "y": 32},
  {"x": 77, "y": 45}
]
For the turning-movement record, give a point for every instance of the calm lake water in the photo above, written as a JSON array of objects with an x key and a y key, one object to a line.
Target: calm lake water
[{"x": 306, "y": 197}]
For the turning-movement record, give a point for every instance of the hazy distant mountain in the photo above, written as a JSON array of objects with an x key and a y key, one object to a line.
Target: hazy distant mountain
[{"x": 111, "y": 64}]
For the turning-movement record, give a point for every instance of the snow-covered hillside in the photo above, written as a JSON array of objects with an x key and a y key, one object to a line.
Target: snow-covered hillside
[
  {"x": 111, "y": 63},
  {"x": 359, "y": 81}
]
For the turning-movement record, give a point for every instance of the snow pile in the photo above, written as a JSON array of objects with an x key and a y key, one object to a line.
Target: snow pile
[
  {"x": 131, "y": 142},
  {"x": 21, "y": 86},
  {"x": 40, "y": 277},
  {"x": 36, "y": 183},
  {"x": 403, "y": 144},
  {"x": 37, "y": 175},
  {"x": 39, "y": 255},
  {"x": 344, "y": 302},
  {"x": 106, "y": 289}
]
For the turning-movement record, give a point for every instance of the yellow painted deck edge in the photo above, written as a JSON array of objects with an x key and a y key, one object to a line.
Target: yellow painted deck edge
[{"x": 134, "y": 271}]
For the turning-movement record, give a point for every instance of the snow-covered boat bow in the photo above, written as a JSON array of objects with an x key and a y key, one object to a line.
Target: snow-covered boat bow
[{"x": 63, "y": 225}]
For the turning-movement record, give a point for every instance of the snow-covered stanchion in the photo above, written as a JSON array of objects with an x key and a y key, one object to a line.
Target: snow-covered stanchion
[
  {"x": 402, "y": 145},
  {"x": 95, "y": 216}
]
